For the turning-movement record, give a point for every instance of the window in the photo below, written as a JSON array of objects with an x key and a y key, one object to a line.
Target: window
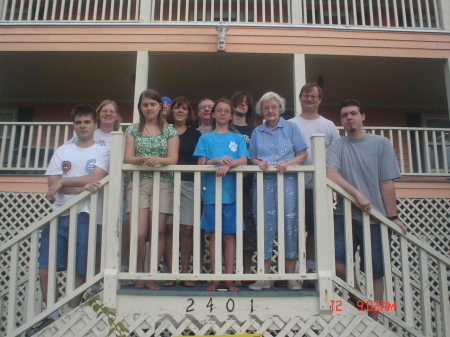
[{"x": 7, "y": 115}]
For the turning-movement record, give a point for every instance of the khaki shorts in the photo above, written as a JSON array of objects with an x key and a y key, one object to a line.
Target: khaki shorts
[
  {"x": 146, "y": 196},
  {"x": 186, "y": 204}
]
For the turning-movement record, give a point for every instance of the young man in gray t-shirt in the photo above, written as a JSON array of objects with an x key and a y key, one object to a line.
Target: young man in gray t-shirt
[{"x": 364, "y": 165}]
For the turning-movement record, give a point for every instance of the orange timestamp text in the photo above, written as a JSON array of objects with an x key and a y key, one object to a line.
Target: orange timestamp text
[{"x": 366, "y": 305}]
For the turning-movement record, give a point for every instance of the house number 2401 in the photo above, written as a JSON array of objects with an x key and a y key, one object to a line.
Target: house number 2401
[{"x": 230, "y": 305}]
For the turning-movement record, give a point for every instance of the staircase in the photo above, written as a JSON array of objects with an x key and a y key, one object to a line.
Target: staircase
[{"x": 416, "y": 281}]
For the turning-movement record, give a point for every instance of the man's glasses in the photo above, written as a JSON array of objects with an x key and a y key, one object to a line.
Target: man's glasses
[{"x": 307, "y": 96}]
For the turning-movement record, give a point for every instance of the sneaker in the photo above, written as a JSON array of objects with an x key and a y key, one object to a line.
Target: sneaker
[
  {"x": 38, "y": 327},
  {"x": 259, "y": 285},
  {"x": 294, "y": 285}
]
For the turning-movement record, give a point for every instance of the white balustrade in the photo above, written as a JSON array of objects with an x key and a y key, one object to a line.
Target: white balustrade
[
  {"x": 410, "y": 264},
  {"x": 22, "y": 267},
  {"x": 396, "y": 14},
  {"x": 26, "y": 148},
  {"x": 70, "y": 11},
  {"x": 413, "y": 271}
]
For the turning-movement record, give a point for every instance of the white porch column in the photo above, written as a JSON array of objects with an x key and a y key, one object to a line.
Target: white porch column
[
  {"x": 114, "y": 221},
  {"x": 323, "y": 225},
  {"x": 447, "y": 82},
  {"x": 299, "y": 79},
  {"x": 141, "y": 81}
]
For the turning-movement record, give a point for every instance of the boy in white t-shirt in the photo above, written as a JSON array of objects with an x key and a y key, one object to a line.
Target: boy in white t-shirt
[{"x": 74, "y": 168}]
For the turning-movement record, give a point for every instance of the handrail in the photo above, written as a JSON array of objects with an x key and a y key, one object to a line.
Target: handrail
[
  {"x": 46, "y": 219},
  {"x": 392, "y": 226},
  {"x": 112, "y": 273},
  {"x": 402, "y": 14},
  {"x": 31, "y": 233},
  {"x": 325, "y": 268},
  {"x": 26, "y": 148},
  {"x": 410, "y": 329},
  {"x": 80, "y": 290},
  {"x": 431, "y": 264}
]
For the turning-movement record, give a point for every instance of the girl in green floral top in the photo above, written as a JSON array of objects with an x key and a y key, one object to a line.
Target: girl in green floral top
[{"x": 151, "y": 143}]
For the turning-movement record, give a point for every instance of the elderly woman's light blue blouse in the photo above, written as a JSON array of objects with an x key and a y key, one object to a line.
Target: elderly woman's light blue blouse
[{"x": 279, "y": 144}]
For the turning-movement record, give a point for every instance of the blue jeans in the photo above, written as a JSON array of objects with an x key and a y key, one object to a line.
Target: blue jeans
[
  {"x": 375, "y": 238},
  {"x": 63, "y": 244},
  {"x": 271, "y": 213}
]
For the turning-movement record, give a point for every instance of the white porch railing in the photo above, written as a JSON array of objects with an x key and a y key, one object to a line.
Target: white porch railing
[
  {"x": 372, "y": 13},
  {"x": 420, "y": 151},
  {"x": 416, "y": 275},
  {"x": 26, "y": 148},
  {"x": 21, "y": 252},
  {"x": 424, "y": 14},
  {"x": 416, "y": 296},
  {"x": 114, "y": 220}
]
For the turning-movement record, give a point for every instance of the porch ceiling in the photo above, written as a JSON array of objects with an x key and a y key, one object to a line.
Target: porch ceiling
[{"x": 93, "y": 76}]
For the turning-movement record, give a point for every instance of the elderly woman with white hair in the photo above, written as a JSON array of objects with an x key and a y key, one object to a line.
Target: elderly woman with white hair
[{"x": 279, "y": 143}]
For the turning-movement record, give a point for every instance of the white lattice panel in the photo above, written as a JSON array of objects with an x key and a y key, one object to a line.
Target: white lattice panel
[
  {"x": 18, "y": 211},
  {"x": 84, "y": 322},
  {"x": 426, "y": 218}
]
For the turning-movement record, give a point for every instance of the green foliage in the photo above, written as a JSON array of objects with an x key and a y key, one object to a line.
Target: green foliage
[{"x": 116, "y": 328}]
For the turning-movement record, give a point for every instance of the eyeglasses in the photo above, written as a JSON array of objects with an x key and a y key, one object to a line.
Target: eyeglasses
[
  {"x": 273, "y": 108},
  {"x": 310, "y": 96},
  {"x": 219, "y": 111},
  {"x": 202, "y": 107}
]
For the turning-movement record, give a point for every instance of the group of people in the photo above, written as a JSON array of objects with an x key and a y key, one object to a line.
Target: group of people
[{"x": 363, "y": 164}]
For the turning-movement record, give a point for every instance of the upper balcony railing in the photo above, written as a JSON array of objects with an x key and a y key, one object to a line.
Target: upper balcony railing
[
  {"x": 26, "y": 148},
  {"x": 393, "y": 14}
]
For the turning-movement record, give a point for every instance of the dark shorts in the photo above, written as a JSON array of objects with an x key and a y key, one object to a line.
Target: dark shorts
[
  {"x": 249, "y": 237},
  {"x": 228, "y": 218},
  {"x": 309, "y": 210},
  {"x": 63, "y": 244},
  {"x": 375, "y": 236}
]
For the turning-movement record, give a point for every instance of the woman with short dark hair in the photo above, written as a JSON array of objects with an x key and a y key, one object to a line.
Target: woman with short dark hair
[{"x": 181, "y": 115}]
